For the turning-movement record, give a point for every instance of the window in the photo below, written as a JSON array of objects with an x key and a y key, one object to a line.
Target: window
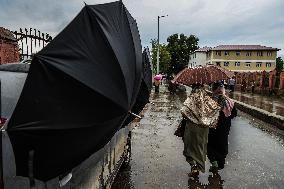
[
  {"x": 226, "y": 63},
  {"x": 248, "y": 54},
  {"x": 259, "y": 53},
  {"x": 237, "y": 64},
  {"x": 218, "y": 63},
  {"x": 248, "y": 64},
  {"x": 268, "y": 64},
  {"x": 218, "y": 53},
  {"x": 238, "y": 53},
  {"x": 258, "y": 64},
  {"x": 269, "y": 53},
  {"x": 226, "y": 53}
]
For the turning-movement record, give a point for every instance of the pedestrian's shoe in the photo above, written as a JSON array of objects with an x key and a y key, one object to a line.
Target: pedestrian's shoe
[
  {"x": 194, "y": 172},
  {"x": 214, "y": 167}
]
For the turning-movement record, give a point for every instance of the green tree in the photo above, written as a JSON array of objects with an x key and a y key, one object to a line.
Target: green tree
[
  {"x": 180, "y": 47},
  {"x": 164, "y": 54},
  {"x": 279, "y": 65},
  {"x": 279, "y": 68}
]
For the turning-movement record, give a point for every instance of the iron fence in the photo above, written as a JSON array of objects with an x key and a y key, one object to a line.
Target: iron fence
[{"x": 31, "y": 41}]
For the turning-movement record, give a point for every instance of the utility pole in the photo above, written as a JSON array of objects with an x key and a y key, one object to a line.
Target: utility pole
[{"x": 158, "y": 50}]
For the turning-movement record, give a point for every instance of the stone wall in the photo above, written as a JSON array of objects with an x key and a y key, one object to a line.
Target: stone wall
[{"x": 9, "y": 50}]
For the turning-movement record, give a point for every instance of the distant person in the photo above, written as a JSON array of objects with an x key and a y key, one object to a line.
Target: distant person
[
  {"x": 244, "y": 86},
  {"x": 217, "y": 147},
  {"x": 156, "y": 85},
  {"x": 172, "y": 87},
  {"x": 231, "y": 84},
  {"x": 200, "y": 112},
  {"x": 162, "y": 78},
  {"x": 252, "y": 86}
]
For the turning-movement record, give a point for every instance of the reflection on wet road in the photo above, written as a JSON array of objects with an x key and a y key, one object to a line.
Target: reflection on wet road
[
  {"x": 255, "y": 157},
  {"x": 271, "y": 104}
]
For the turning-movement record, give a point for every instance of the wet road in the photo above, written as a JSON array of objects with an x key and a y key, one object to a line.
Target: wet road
[
  {"x": 271, "y": 104},
  {"x": 255, "y": 160}
]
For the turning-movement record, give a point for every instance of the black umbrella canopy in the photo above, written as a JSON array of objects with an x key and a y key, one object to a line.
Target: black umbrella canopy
[
  {"x": 78, "y": 91},
  {"x": 147, "y": 72},
  {"x": 145, "y": 87}
]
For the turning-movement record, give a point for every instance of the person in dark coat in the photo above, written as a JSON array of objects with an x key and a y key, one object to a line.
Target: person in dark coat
[{"x": 217, "y": 147}]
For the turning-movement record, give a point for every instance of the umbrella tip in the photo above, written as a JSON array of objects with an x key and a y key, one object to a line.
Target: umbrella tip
[{"x": 85, "y": 3}]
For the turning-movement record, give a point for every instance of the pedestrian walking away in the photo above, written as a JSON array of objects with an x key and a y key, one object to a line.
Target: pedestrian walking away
[
  {"x": 157, "y": 85},
  {"x": 200, "y": 112},
  {"x": 232, "y": 83},
  {"x": 252, "y": 86},
  {"x": 217, "y": 147}
]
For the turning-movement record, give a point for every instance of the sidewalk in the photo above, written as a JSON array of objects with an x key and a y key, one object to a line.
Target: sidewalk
[{"x": 271, "y": 104}]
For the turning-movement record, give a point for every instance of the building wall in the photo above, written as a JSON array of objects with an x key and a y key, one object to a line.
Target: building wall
[
  {"x": 8, "y": 52},
  {"x": 197, "y": 59},
  {"x": 243, "y": 60}
]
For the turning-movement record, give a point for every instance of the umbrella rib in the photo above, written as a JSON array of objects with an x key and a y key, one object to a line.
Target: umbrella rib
[{"x": 110, "y": 46}]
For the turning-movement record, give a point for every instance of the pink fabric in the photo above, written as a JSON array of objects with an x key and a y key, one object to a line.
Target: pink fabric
[
  {"x": 158, "y": 77},
  {"x": 228, "y": 107}
]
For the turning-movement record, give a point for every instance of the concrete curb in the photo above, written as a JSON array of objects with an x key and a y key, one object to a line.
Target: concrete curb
[{"x": 263, "y": 115}]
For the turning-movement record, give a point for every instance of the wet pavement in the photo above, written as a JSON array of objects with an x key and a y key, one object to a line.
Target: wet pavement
[
  {"x": 255, "y": 158},
  {"x": 271, "y": 104}
]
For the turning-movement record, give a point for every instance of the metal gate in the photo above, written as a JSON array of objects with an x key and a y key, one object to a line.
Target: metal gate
[{"x": 31, "y": 41}]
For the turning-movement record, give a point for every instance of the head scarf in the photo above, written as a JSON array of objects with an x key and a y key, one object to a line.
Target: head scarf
[
  {"x": 201, "y": 109},
  {"x": 223, "y": 100}
]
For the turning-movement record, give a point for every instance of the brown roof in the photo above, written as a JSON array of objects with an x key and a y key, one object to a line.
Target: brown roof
[
  {"x": 203, "y": 49},
  {"x": 6, "y": 34},
  {"x": 243, "y": 47}
]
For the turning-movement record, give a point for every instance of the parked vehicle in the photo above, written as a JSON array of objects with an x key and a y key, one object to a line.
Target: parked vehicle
[{"x": 69, "y": 121}]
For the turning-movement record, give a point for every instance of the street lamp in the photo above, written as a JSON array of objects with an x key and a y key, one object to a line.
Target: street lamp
[{"x": 158, "y": 51}]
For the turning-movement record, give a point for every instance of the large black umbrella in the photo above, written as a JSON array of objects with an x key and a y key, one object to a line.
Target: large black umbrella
[
  {"x": 145, "y": 87},
  {"x": 147, "y": 72},
  {"x": 78, "y": 92}
]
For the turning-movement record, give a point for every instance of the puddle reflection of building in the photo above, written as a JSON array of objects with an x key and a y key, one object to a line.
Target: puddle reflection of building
[{"x": 215, "y": 182}]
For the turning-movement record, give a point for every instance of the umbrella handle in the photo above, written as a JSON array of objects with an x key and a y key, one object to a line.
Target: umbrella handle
[{"x": 135, "y": 115}]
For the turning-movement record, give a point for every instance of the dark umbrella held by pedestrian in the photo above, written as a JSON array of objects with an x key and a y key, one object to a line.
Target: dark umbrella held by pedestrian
[{"x": 202, "y": 75}]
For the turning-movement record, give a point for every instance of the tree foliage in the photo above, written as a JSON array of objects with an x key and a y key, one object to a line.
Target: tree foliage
[
  {"x": 180, "y": 47},
  {"x": 164, "y": 54},
  {"x": 279, "y": 65}
]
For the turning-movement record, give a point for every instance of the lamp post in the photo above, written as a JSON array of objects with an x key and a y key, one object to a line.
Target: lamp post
[{"x": 158, "y": 50}]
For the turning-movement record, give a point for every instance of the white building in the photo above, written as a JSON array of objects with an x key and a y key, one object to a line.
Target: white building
[{"x": 198, "y": 57}]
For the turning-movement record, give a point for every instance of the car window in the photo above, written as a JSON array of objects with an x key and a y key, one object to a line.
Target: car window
[{"x": 11, "y": 86}]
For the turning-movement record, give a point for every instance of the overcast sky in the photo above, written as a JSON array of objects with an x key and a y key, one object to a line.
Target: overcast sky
[{"x": 215, "y": 22}]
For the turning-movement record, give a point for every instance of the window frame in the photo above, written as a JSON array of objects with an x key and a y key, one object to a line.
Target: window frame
[
  {"x": 226, "y": 64},
  {"x": 268, "y": 63},
  {"x": 218, "y": 53},
  {"x": 258, "y": 63},
  {"x": 237, "y": 64},
  {"x": 259, "y": 53},
  {"x": 248, "y": 63},
  {"x": 248, "y": 53}
]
